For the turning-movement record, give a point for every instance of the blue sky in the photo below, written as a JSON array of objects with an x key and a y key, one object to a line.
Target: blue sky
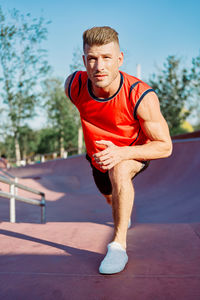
[{"x": 149, "y": 31}]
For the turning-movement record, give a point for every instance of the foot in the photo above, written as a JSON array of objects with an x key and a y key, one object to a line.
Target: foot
[{"x": 115, "y": 259}]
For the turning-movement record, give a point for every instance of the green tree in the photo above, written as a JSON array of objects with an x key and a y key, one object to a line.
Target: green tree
[
  {"x": 7, "y": 146},
  {"x": 195, "y": 85},
  {"x": 28, "y": 140},
  {"x": 23, "y": 64},
  {"x": 62, "y": 117},
  {"x": 195, "y": 74},
  {"x": 47, "y": 141},
  {"x": 77, "y": 61},
  {"x": 172, "y": 85},
  {"x": 77, "y": 65}
]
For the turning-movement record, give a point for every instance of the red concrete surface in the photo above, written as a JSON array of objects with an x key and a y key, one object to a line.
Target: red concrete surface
[{"x": 60, "y": 259}]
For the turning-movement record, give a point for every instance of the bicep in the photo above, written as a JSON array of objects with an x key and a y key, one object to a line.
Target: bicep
[{"x": 151, "y": 119}]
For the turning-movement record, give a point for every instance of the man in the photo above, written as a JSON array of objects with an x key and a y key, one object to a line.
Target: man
[{"x": 123, "y": 129}]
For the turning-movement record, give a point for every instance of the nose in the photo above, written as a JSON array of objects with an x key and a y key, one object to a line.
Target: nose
[{"x": 99, "y": 64}]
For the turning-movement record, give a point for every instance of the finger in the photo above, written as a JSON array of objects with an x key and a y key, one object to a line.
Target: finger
[
  {"x": 101, "y": 153},
  {"x": 106, "y": 143},
  {"x": 108, "y": 167},
  {"x": 103, "y": 157},
  {"x": 105, "y": 168},
  {"x": 105, "y": 162}
]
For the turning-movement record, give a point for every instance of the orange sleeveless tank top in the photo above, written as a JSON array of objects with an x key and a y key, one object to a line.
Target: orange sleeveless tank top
[{"x": 113, "y": 119}]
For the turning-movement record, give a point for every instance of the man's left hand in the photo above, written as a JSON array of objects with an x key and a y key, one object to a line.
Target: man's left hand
[{"x": 109, "y": 157}]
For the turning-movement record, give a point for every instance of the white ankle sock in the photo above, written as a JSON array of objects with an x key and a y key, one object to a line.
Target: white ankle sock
[
  {"x": 129, "y": 223},
  {"x": 115, "y": 259}
]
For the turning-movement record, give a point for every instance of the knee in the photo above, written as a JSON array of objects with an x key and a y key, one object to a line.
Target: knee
[{"x": 120, "y": 172}]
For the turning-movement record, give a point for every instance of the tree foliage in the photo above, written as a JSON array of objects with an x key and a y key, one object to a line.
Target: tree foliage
[
  {"x": 23, "y": 64},
  {"x": 172, "y": 85},
  {"x": 77, "y": 61},
  {"x": 195, "y": 79},
  {"x": 47, "y": 141},
  {"x": 195, "y": 74},
  {"x": 77, "y": 65},
  {"x": 62, "y": 117}
]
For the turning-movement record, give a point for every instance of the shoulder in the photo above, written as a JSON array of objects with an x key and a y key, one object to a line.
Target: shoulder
[
  {"x": 129, "y": 79},
  {"x": 74, "y": 81},
  {"x": 141, "y": 95},
  {"x": 149, "y": 108},
  {"x": 134, "y": 85}
]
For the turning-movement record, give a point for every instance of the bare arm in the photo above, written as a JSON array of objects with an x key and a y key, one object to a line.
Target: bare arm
[
  {"x": 67, "y": 81},
  {"x": 156, "y": 129}
]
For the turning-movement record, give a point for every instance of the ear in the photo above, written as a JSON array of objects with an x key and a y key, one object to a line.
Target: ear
[
  {"x": 84, "y": 60},
  {"x": 120, "y": 59}
]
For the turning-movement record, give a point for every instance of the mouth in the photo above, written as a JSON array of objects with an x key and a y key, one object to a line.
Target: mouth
[{"x": 100, "y": 76}]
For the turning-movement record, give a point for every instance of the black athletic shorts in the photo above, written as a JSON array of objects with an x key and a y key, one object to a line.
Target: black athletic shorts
[{"x": 102, "y": 180}]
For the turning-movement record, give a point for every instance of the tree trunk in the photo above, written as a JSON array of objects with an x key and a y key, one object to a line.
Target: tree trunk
[
  {"x": 62, "y": 149},
  {"x": 80, "y": 140},
  {"x": 17, "y": 152}
]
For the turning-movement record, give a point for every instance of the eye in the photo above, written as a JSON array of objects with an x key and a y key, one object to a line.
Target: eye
[{"x": 91, "y": 58}]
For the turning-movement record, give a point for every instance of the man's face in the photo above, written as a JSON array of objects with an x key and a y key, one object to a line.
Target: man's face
[{"x": 102, "y": 63}]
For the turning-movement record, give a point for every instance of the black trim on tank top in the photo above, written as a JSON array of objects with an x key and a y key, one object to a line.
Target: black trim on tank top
[
  {"x": 107, "y": 99},
  {"x": 80, "y": 83},
  {"x": 70, "y": 84},
  {"x": 132, "y": 87},
  {"x": 135, "y": 138},
  {"x": 140, "y": 99}
]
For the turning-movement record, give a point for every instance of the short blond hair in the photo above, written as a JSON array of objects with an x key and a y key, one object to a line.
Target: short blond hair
[{"x": 99, "y": 36}]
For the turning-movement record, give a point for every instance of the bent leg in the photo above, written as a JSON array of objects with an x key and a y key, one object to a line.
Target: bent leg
[{"x": 123, "y": 197}]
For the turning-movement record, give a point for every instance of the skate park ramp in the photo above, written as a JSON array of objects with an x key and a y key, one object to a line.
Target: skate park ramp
[{"x": 60, "y": 259}]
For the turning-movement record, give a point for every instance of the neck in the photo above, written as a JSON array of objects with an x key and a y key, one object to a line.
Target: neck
[{"x": 108, "y": 91}]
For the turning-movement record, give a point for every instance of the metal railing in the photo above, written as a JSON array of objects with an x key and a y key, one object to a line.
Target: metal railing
[
  {"x": 12, "y": 195},
  {"x": 7, "y": 174}
]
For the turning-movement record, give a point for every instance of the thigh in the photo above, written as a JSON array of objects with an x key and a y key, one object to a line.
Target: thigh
[{"x": 130, "y": 167}]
